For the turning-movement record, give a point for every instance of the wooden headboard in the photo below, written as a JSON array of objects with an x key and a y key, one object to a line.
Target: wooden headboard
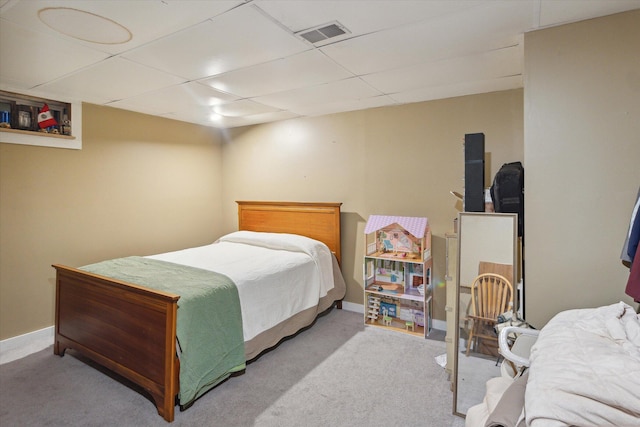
[{"x": 319, "y": 221}]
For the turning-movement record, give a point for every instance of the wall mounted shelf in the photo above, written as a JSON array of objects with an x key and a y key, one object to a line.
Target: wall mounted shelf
[{"x": 19, "y": 121}]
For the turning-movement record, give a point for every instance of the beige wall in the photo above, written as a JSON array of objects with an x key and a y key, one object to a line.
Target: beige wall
[
  {"x": 582, "y": 152},
  {"x": 140, "y": 185},
  {"x": 144, "y": 185},
  {"x": 395, "y": 161}
]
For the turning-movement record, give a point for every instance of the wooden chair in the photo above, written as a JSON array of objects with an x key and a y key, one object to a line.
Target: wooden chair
[{"x": 491, "y": 295}]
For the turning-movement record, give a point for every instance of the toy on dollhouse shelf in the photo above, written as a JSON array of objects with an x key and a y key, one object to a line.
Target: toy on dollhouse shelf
[
  {"x": 386, "y": 319},
  {"x": 374, "y": 308},
  {"x": 397, "y": 265}
]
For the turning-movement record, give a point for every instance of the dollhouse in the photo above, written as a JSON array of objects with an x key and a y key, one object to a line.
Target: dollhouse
[{"x": 397, "y": 273}]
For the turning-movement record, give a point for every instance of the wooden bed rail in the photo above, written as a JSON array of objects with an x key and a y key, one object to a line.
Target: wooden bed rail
[{"x": 126, "y": 328}]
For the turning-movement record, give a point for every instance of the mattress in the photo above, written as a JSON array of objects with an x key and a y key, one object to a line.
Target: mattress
[{"x": 278, "y": 275}]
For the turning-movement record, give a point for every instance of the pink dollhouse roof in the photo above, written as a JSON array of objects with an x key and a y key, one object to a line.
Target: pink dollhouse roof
[{"x": 414, "y": 225}]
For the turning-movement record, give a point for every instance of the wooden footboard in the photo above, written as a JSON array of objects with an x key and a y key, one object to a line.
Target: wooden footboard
[{"x": 126, "y": 328}]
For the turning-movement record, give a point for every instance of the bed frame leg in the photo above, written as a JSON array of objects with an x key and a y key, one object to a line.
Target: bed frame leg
[
  {"x": 58, "y": 348},
  {"x": 167, "y": 412}
]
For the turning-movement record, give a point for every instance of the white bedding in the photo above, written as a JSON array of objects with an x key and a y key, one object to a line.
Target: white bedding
[
  {"x": 277, "y": 274},
  {"x": 585, "y": 369}
]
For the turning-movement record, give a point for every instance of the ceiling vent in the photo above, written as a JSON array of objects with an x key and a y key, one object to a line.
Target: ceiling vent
[{"x": 323, "y": 32}]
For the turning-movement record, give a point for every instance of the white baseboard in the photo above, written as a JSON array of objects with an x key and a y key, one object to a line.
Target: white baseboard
[
  {"x": 350, "y": 306},
  {"x": 359, "y": 308},
  {"x": 440, "y": 325},
  {"x": 23, "y": 345}
]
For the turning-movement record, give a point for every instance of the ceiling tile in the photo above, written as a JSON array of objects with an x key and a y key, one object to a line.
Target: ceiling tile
[
  {"x": 32, "y": 58},
  {"x": 458, "y": 89},
  {"x": 180, "y": 97},
  {"x": 201, "y": 117},
  {"x": 553, "y": 12},
  {"x": 239, "y": 38},
  {"x": 243, "y": 107},
  {"x": 483, "y": 66},
  {"x": 230, "y": 122},
  {"x": 303, "y": 69},
  {"x": 342, "y": 106},
  {"x": 111, "y": 80},
  {"x": 344, "y": 90}
]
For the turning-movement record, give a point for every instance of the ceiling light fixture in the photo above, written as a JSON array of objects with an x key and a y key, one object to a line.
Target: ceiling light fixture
[{"x": 85, "y": 26}]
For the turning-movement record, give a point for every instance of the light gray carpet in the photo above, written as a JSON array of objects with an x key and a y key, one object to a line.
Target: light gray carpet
[
  {"x": 473, "y": 373},
  {"x": 336, "y": 373}
]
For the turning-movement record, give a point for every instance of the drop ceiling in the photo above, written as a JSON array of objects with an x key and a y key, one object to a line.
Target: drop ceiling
[{"x": 229, "y": 63}]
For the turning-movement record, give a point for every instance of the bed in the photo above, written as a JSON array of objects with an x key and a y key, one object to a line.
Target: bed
[
  {"x": 121, "y": 313},
  {"x": 583, "y": 370}
]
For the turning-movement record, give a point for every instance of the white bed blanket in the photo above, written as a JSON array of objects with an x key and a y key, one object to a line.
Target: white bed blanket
[
  {"x": 585, "y": 369},
  {"x": 277, "y": 274}
]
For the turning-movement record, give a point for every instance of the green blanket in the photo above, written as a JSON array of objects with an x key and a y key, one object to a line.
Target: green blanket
[{"x": 209, "y": 323}]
